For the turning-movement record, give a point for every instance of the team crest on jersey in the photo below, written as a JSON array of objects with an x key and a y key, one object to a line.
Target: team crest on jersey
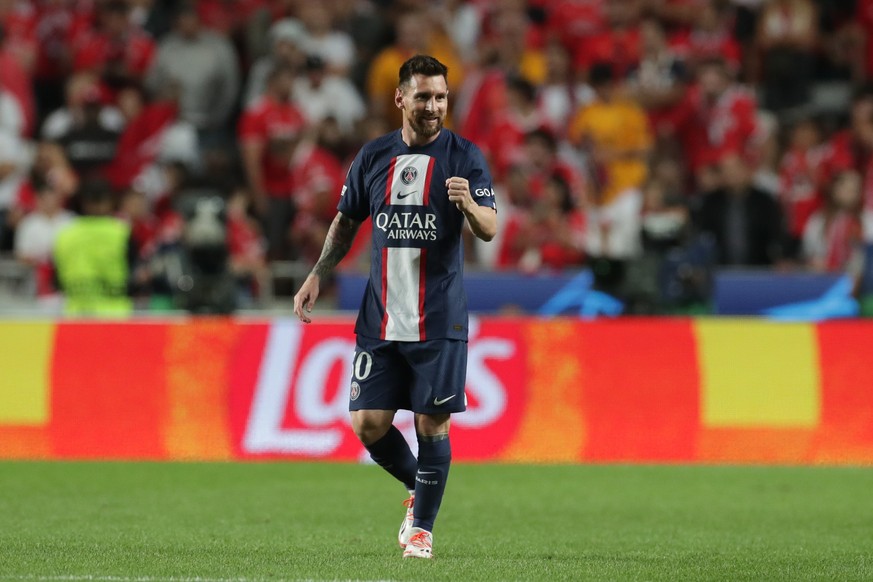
[
  {"x": 408, "y": 175},
  {"x": 355, "y": 391}
]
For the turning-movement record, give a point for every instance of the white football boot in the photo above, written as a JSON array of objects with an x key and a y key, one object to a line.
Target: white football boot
[
  {"x": 420, "y": 544},
  {"x": 406, "y": 524}
]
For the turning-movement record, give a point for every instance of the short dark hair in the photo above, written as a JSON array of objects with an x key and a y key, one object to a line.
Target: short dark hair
[{"x": 422, "y": 65}]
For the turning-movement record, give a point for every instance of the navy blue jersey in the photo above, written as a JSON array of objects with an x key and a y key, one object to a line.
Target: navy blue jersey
[{"x": 415, "y": 291}]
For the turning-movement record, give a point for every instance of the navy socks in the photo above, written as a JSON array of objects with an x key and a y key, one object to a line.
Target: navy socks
[
  {"x": 392, "y": 453},
  {"x": 434, "y": 458}
]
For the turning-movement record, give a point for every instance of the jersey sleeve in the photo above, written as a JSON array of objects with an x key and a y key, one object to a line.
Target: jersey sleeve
[
  {"x": 354, "y": 201},
  {"x": 477, "y": 173}
]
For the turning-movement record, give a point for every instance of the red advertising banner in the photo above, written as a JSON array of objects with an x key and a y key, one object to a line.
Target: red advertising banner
[{"x": 562, "y": 390}]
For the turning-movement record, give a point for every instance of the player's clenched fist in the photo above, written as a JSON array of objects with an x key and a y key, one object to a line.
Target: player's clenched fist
[{"x": 459, "y": 193}]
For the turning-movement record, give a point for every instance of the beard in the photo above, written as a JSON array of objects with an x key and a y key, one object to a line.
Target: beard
[{"x": 425, "y": 129}]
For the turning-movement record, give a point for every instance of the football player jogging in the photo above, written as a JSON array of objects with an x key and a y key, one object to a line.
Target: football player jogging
[{"x": 418, "y": 185}]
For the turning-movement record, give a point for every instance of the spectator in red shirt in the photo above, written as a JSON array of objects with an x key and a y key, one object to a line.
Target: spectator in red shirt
[
  {"x": 709, "y": 37},
  {"x": 247, "y": 247},
  {"x": 718, "y": 116},
  {"x": 800, "y": 180},
  {"x": 852, "y": 148},
  {"x": 117, "y": 50},
  {"x": 551, "y": 236},
  {"x": 520, "y": 116},
  {"x": 318, "y": 181},
  {"x": 618, "y": 43},
  {"x": 572, "y": 21},
  {"x": 268, "y": 131}
]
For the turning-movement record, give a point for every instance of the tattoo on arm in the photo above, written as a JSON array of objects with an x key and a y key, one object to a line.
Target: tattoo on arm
[{"x": 337, "y": 243}]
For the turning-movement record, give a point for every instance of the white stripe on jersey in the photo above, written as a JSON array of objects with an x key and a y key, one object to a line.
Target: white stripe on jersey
[
  {"x": 403, "y": 293},
  {"x": 410, "y": 180}
]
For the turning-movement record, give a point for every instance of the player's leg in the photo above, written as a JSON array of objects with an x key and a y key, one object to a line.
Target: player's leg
[
  {"x": 386, "y": 444},
  {"x": 379, "y": 388},
  {"x": 440, "y": 375}
]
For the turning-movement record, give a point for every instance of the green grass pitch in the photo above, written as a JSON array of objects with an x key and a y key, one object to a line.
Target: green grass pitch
[{"x": 303, "y": 521}]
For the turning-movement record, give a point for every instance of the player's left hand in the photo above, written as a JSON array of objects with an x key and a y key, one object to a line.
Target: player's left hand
[{"x": 459, "y": 193}]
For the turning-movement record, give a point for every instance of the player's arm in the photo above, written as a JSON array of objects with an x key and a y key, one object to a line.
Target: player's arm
[
  {"x": 482, "y": 219},
  {"x": 336, "y": 245}
]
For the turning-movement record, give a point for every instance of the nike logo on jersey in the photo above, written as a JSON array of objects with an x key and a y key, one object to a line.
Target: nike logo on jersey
[
  {"x": 401, "y": 196},
  {"x": 439, "y": 402}
]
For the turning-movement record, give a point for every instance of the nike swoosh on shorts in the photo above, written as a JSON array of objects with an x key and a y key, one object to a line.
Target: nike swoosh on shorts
[{"x": 439, "y": 402}]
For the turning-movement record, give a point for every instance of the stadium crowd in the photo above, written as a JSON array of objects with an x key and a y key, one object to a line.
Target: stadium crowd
[{"x": 618, "y": 131}]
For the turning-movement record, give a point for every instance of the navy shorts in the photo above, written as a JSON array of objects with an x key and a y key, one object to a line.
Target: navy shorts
[{"x": 427, "y": 377}]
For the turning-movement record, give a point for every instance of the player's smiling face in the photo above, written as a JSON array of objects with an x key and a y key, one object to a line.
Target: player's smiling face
[{"x": 424, "y": 101}]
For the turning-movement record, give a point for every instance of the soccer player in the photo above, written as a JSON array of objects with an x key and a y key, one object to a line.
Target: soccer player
[{"x": 418, "y": 185}]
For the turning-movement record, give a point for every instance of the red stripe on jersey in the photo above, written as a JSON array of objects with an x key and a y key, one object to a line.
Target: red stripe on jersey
[
  {"x": 388, "y": 196},
  {"x": 422, "y": 279},
  {"x": 385, "y": 282},
  {"x": 427, "y": 181}
]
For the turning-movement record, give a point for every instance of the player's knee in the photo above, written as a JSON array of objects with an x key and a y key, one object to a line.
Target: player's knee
[
  {"x": 432, "y": 424},
  {"x": 370, "y": 427}
]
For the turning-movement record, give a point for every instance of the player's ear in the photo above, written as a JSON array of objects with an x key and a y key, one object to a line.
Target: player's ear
[{"x": 398, "y": 98}]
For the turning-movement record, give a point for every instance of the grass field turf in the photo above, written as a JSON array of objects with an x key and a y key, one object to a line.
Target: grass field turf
[{"x": 297, "y": 521}]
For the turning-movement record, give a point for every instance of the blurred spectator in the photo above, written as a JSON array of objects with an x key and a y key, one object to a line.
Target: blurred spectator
[
  {"x": 320, "y": 94},
  {"x": 247, "y": 247},
  {"x": 81, "y": 89},
  {"x": 36, "y": 234},
  {"x": 49, "y": 165},
  {"x": 677, "y": 15},
  {"x": 286, "y": 37},
  {"x": 520, "y": 116},
  {"x": 718, "y": 116},
  {"x": 799, "y": 180},
  {"x": 550, "y": 236},
  {"x": 658, "y": 82},
  {"x": 541, "y": 161},
  {"x": 572, "y": 21},
  {"x": 462, "y": 21},
  {"x": 617, "y": 43},
  {"x": 613, "y": 135},
  {"x": 835, "y": 235},
  {"x": 89, "y": 144},
  {"x": 318, "y": 181},
  {"x": 15, "y": 159},
  {"x": 17, "y": 58},
  {"x": 787, "y": 38},
  {"x": 116, "y": 50},
  {"x": 710, "y": 37},
  {"x": 665, "y": 218},
  {"x": 93, "y": 256},
  {"x": 414, "y": 35},
  {"x": 745, "y": 222},
  {"x": 506, "y": 52},
  {"x": 134, "y": 208},
  {"x": 561, "y": 93},
  {"x": 12, "y": 119},
  {"x": 204, "y": 65},
  {"x": 368, "y": 28},
  {"x": 335, "y": 47},
  {"x": 268, "y": 131},
  {"x": 852, "y": 147},
  {"x": 153, "y": 136},
  {"x": 59, "y": 24},
  {"x": 229, "y": 17}
]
